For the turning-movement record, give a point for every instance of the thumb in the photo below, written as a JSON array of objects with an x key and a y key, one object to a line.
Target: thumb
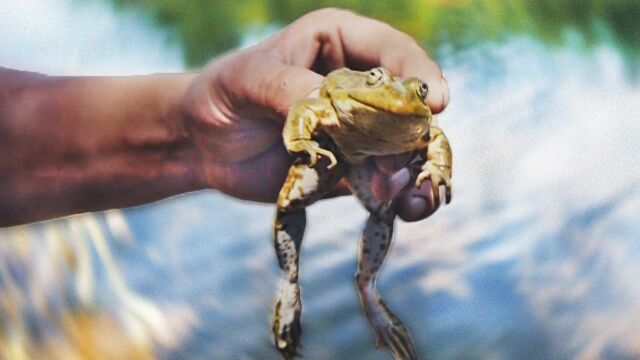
[{"x": 279, "y": 86}]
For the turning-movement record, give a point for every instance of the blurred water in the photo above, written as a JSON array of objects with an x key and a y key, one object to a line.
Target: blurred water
[
  {"x": 69, "y": 37},
  {"x": 535, "y": 258}
]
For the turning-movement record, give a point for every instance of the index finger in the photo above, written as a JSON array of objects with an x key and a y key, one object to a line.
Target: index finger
[
  {"x": 339, "y": 38},
  {"x": 369, "y": 43}
]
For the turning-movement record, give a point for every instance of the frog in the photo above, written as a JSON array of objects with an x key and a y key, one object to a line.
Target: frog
[{"x": 358, "y": 115}]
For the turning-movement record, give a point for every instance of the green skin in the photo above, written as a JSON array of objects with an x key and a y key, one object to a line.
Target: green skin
[{"x": 357, "y": 115}]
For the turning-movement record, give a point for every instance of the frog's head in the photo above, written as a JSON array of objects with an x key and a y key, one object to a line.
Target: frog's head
[{"x": 377, "y": 90}]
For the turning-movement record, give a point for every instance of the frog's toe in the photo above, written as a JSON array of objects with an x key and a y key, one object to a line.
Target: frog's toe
[
  {"x": 313, "y": 157},
  {"x": 288, "y": 347},
  {"x": 448, "y": 192},
  {"x": 421, "y": 178},
  {"x": 287, "y": 338},
  {"x": 286, "y": 325},
  {"x": 435, "y": 186},
  {"x": 329, "y": 155},
  {"x": 396, "y": 337},
  {"x": 388, "y": 329}
]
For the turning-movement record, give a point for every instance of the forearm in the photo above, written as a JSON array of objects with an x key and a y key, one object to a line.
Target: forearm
[{"x": 70, "y": 145}]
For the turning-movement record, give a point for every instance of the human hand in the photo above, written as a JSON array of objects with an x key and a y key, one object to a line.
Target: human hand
[{"x": 237, "y": 106}]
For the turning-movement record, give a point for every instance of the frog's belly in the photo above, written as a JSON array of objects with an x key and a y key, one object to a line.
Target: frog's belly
[{"x": 355, "y": 145}]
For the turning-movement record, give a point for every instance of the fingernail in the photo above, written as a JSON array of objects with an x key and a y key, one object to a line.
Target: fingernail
[
  {"x": 398, "y": 181},
  {"x": 445, "y": 87}
]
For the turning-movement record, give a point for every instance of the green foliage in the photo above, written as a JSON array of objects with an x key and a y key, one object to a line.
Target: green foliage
[{"x": 208, "y": 27}]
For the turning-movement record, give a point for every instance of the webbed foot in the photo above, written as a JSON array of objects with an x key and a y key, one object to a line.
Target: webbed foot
[
  {"x": 388, "y": 329},
  {"x": 286, "y": 321}
]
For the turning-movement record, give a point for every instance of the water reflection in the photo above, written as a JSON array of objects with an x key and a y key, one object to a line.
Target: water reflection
[{"x": 535, "y": 258}]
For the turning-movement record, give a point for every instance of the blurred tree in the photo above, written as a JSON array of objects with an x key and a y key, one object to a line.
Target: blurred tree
[{"x": 206, "y": 28}]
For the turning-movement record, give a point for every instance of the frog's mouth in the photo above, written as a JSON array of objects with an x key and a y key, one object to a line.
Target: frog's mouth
[{"x": 398, "y": 106}]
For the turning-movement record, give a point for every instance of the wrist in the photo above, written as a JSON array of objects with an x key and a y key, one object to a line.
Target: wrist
[{"x": 179, "y": 146}]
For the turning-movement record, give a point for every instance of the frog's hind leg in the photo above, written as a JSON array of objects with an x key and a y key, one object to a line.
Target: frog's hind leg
[
  {"x": 376, "y": 238},
  {"x": 303, "y": 186}
]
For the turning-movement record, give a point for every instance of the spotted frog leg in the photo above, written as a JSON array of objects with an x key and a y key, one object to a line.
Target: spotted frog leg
[
  {"x": 437, "y": 168},
  {"x": 304, "y": 185},
  {"x": 376, "y": 238}
]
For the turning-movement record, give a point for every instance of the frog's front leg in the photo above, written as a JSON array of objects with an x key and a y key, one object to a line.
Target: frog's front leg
[
  {"x": 302, "y": 121},
  {"x": 375, "y": 242},
  {"x": 437, "y": 168},
  {"x": 303, "y": 186}
]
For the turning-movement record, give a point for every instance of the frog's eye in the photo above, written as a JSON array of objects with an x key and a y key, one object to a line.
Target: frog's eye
[
  {"x": 374, "y": 76},
  {"x": 422, "y": 89}
]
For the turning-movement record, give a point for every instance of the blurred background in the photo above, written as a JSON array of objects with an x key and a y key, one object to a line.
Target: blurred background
[{"x": 537, "y": 257}]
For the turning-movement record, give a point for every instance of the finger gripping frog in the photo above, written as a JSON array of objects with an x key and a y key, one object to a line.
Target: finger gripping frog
[{"x": 357, "y": 115}]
